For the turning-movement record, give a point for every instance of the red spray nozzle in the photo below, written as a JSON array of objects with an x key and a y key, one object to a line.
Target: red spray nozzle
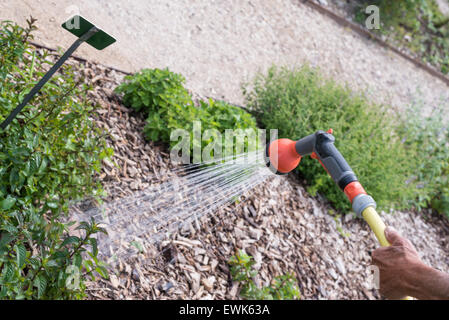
[{"x": 282, "y": 156}]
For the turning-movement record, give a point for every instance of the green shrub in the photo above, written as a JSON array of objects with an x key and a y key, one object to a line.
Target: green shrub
[
  {"x": 429, "y": 136},
  {"x": 282, "y": 287},
  {"x": 418, "y": 25},
  {"x": 161, "y": 95},
  {"x": 391, "y": 12},
  {"x": 299, "y": 102},
  {"x": 48, "y": 157},
  {"x": 156, "y": 92}
]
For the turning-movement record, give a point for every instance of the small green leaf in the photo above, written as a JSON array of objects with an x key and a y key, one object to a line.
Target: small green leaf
[
  {"x": 8, "y": 273},
  {"x": 93, "y": 243},
  {"x": 83, "y": 225},
  {"x": 41, "y": 283},
  {"x": 102, "y": 271},
  {"x": 34, "y": 263},
  {"x": 21, "y": 255},
  {"x": 5, "y": 239},
  {"x": 52, "y": 263},
  {"x": 7, "y": 203},
  {"x": 70, "y": 240}
]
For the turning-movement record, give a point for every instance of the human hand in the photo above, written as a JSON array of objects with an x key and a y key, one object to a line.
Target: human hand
[{"x": 398, "y": 266}]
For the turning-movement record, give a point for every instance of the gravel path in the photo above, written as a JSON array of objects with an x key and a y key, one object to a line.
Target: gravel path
[{"x": 217, "y": 45}]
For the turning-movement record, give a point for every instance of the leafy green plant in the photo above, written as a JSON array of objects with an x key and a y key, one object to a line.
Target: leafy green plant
[
  {"x": 417, "y": 25},
  {"x": 393, "y": 11},
  {"x": 429, "y": 135},
  {"x": 300, "y": 101},
  {"x": 155, "y": 92},
  {"x": 161, "y": 95},
  {"x": 49, "y": 155},
  {"x": 282, "y": 287}
]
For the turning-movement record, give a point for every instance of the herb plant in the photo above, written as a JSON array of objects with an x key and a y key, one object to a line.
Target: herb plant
[
  {"x": 282, "y": 287},
  {"x": 160, "y": 94}
]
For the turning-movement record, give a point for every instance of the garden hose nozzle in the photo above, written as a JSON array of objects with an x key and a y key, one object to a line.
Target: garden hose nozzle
[{"x": 284, "y": 155}]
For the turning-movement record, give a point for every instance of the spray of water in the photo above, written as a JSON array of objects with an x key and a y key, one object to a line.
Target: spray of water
[{"x": 163, "y": 209}]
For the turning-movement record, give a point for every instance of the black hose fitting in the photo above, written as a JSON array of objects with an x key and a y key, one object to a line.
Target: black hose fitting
[{"x": 320, "y": 145}]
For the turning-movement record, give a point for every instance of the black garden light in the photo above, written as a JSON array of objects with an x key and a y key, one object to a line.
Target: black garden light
[{"x": 86, "y": 32}]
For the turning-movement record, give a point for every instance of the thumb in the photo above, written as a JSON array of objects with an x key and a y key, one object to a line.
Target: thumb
[{"x": 393, "y": 236}]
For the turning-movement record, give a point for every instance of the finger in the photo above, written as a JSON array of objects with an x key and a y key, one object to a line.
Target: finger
[
  {"x": 397, "y": 240},
  {"x": 394, "y": 237}
]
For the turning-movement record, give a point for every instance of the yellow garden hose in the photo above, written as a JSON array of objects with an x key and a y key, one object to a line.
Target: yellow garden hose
[{"x": 376, "y": 224}]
